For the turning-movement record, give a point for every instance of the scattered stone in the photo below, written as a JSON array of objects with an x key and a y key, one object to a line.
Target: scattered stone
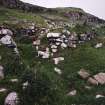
[
  {"x": 14, "y": 80},
  {"x": 83, "y": 74},
  {"x": 99, "y": 96},
  {"x": 1, "y": 72},
  {"x": 25, "y": 84},
  {"x": 58, "y": 70},
  {"x": 2, "y": 90},
  {"x": 72, "y": 93},
  {"x": 57, "y": 60},
  {"x": 12, "y": 99},
  {"x": 98, "y": 45},
  {"x": 92, "y": 81},
  {"x": 88, "y": 87}
]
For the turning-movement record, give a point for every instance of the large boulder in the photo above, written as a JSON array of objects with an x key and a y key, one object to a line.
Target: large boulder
[
  {"x": 92, "y": 81},
  {"x": 100, "y": 77},
  {"x": 11, "y": 99}
]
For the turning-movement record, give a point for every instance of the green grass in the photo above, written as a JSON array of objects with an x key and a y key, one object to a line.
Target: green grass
[
  {"x": 84, "y": 56},
  {"x": 9, "y": 15}
]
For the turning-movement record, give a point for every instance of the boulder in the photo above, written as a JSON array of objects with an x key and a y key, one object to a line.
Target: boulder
[
  {"x": 6, "y": 40},
  {"x": 100, "y": 77},
  {"x": 11, "y": 99},
  {"x": 92, "y": 81},
  {"x": 83, "y": 74}
]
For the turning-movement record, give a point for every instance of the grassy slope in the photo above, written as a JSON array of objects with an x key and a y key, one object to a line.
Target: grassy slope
[
  {"x": 10, "y": 15},
  {"x": 84, "y": 56}
]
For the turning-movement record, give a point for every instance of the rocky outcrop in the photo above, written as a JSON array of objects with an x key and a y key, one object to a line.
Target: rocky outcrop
[
  {"x": 70, "y": 13},
  {"x": 88, "y": 18}
]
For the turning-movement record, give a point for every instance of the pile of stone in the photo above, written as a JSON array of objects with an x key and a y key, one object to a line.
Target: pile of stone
[
  {"x": 62, "y": 40},
  {"x": 6, "y": 38},
  {"x": 95, "y": 79}
]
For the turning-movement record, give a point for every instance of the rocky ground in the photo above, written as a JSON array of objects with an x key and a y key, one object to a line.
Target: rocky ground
[{"x": 57, "y": 64}]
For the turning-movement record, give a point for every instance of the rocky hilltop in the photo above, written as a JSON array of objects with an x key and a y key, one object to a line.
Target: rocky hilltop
[{"x": 70, "y": 14}]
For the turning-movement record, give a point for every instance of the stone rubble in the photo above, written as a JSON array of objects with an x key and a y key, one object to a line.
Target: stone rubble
[{"x": 6, "y": 39}]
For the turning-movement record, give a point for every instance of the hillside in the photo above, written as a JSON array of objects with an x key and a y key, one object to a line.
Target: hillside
[
  {"x": 39, "y": 79},
  {"x": 69, "y": 14}
]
